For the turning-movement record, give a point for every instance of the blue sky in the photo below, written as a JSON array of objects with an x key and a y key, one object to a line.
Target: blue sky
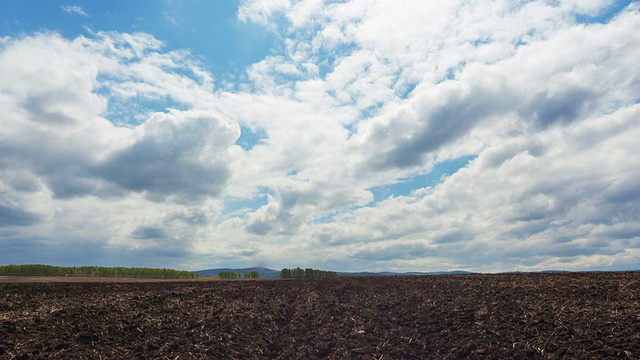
[
  {"x": 351, "y": 135},
  {"x": 211, "y": 30}
]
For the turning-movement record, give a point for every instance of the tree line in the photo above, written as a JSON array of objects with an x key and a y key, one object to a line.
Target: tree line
[
  {"x": 235, "y": 275},
  {"x": 308, "y": 273},
  {"x": 129, "y": 272}
]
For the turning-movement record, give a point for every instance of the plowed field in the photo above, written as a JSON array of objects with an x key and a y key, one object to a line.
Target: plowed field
[{"x": 524, "y": 316}]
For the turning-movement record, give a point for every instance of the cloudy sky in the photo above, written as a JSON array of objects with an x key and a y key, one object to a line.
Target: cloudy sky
[{"x": 345, "y": 135}]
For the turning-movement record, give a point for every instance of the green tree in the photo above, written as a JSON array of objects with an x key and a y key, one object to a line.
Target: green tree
[
  {"x": 48, "y": 270},
  {"x": 307, "y": 273},
  {"x": 228, "y": 275}
]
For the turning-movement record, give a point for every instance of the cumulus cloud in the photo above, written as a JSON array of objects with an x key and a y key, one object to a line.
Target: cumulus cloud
[
  {"x": 67, "y": 160},
  {"x": 180, "y": 153},
  {"x": 512, "y": 84},
  {"x": 81, "y": 152},
  {"x": 137, "y": 148},
  {"x": 299, "y": 202}
]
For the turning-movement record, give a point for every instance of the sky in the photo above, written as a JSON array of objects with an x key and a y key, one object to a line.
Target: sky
[{"x": 377, "y": 135}]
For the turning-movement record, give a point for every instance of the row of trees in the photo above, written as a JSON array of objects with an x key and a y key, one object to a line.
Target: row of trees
[
  {"x": 252, "y": 275},
  {"x": 235, "y": 275},
  {"x": 228, "y": 275},
  {"x": 307, "y": 273},
  {"x": 48, "y": 270}
]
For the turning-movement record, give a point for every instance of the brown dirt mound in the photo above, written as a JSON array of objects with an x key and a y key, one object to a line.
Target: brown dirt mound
[{"x": 526, "y": 316}]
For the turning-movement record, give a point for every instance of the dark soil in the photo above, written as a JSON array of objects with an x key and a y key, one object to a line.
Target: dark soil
[{"x": 520, "y": 316}]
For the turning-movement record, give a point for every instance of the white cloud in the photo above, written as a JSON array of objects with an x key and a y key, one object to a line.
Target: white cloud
[
  {"x": 87, "y": 178},
  {"x": 74, "y": 9},
  {"x": 363, "y": 94},
  {"x": 261, "y": 11},
  {"x": 487, "y": 77}
]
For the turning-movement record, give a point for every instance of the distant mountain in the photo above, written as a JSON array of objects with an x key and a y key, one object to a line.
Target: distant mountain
[
  {"x": 388, "y": 273},
  {"x": 454, "y": 272},
  {"x": 274, "y": 274},
  {"x": 536, "y": 272},
  {"x": 264, "y": 272}
]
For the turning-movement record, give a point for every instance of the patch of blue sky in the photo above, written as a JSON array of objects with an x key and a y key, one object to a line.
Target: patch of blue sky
[
  {"x": 524, "y": 39},
  {"x": 250, "y": 137},
  {"x": 134, "y": 111},
  {"x": 371, "y": 111},
  {"x": 453, "y": 71},
  {"x": 235, "y": 207},
  {"x": 329, "y": 218},
  {"x": 131, "y": 111},
  {"x": 326, "y": 61},
  {"x": 479, "y": 42},
  {"x": 405, "y": 187},
  {"x": 605, "y": 16},
  {"x": 212, "y": 30},
  {"x": 24, "y": 18},
  {"x": 188, "y": 71},
  {"x": 352, "y": 128},
  {"x": 406, "y": 90},
  {"x": 323, "y": 220},
  {"x": 209, "y": 29}
]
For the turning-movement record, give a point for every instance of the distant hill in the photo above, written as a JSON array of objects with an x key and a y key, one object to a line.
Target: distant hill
[
  {"x": 536, "y": 272},
  {"x": 264, "y": 272},
  {"x": 388, "y": 273}
]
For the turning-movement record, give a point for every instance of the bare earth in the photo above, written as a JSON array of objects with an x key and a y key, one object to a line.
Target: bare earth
[
  {"x": 507, "y": 316},
  {"x": 84, "y": 279}
]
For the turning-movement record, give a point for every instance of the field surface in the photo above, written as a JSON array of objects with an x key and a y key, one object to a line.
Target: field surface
[
  {"x": 525, "y": 316},
  {"x": 84, "y": 279}
]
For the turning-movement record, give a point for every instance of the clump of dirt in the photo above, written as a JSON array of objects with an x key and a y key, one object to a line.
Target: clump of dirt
[{"x": 527, "y": 316}]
